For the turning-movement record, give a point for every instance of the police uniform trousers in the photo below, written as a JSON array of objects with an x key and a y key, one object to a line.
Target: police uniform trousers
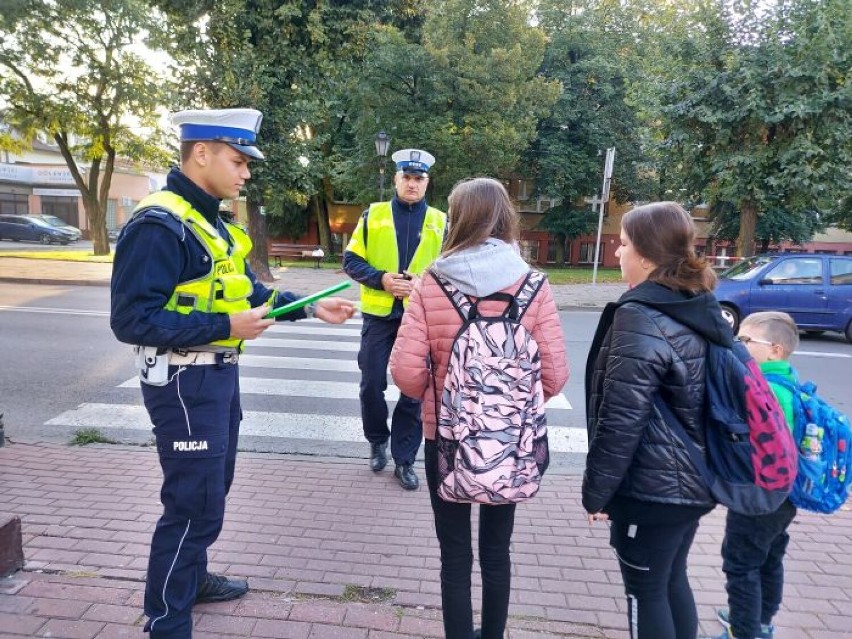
[
  {"x": 377, "y": 338},
  {"x": 196, "y": 420}
]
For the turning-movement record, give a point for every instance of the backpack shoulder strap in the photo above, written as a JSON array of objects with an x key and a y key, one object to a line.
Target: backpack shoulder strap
[
  {"x": 460, "y": 301},
  {"x": 528, "y": 290}
]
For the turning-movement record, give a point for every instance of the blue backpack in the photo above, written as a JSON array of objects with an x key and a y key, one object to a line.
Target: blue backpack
[{"x": 824, "y": 438}]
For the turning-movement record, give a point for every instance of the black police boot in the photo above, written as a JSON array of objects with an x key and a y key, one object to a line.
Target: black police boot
[
  {"x": 405, "y": 474},
  {"x": 378, "y": 456},
  {"x": 218, "y": 588}
]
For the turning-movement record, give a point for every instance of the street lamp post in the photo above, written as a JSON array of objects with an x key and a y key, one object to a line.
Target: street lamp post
[{"x": 382, "y": 144}]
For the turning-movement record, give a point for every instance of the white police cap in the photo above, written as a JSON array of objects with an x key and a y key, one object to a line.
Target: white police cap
[
  {"x": 235, "y": 127},
  {"x": 413, "y": 161}
]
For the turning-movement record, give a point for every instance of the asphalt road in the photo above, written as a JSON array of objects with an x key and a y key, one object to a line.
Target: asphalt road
[{"x": 59, "y": 354}]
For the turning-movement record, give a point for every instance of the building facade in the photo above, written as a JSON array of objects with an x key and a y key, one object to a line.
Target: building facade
[{"x": 38, "y": 181}]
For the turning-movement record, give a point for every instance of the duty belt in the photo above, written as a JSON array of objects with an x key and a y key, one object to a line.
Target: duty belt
[{"x": 198, "y": 358}]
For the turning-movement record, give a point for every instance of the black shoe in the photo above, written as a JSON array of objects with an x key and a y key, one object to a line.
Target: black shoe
[
  {"x": 218, "y": 588},
  {"x": 405, "y": 474},
  {"x": 378, "y": 456}
]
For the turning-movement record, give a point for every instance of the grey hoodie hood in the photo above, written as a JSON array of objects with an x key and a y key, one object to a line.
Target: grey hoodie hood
[{"x": 484, "y": 269}]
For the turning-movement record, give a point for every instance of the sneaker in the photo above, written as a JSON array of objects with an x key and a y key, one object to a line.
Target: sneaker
[
  {"x": 218, "y": 588},
  {"x": 767, "y": 631}
]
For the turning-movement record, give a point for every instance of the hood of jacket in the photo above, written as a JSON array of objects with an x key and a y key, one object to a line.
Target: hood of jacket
[
  {"x": 700, "y": 312},
  {"x": 483, "y": 269}
]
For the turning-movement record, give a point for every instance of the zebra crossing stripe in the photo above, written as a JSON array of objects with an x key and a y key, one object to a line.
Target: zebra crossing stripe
[
  {"x": 271, "y": 424},
  {"x": 323, "y": 389}
]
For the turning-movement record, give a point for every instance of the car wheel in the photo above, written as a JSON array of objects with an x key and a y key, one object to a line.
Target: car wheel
[
  {"x": 45, "y": 239},
  {"x": 849, "y": 332},
  {"x": 730, "y": 315}
]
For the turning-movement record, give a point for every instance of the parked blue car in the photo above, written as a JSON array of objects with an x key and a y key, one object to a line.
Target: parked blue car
[
  {"x": 33, "y": 228},
  {"x": 815, "y": 289}
]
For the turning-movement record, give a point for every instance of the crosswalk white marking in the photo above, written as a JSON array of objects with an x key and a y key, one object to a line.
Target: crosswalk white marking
[
  {"x": 282, "y": 425},
  {"x": 305, "y": 344},
  {"x": 324, "y": 389},
  {"x": 314, "y": 337}
]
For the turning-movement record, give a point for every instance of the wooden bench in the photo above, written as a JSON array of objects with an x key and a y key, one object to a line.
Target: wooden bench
[{"x": 280, "y": 250}]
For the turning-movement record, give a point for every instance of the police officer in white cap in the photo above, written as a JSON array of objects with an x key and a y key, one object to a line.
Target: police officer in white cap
[
  {"x": 393, "y": 243},
  {"x": 183, "y": 294}
]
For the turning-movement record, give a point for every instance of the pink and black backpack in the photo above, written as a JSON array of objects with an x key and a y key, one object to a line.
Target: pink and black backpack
[
  {"x": 492, "y": 426},
  {"x": 751, "y": 458}
]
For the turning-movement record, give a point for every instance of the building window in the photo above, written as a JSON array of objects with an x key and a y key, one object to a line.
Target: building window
[
  {"x": 587, "y": 253},
  {"x": 529, "y": 250},
  {"x": 111, "y": 215},
  {"x": 14, "y": 203},
  {"x": 65, "y": 208}
]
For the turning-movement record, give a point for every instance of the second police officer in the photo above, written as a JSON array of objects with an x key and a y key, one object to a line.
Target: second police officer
[
  {"x": 183, "y": 294},
  {"x": 393, "y": 243}
]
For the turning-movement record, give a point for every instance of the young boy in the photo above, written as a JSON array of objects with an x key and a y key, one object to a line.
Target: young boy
[{"x": 753, "y": 548}]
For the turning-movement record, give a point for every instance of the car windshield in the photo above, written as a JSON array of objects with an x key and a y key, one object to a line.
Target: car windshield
[
  {"x": 747, "y": 269},
  {"x": 39, "y": 221},
  {"x": 53, "y": 220}
]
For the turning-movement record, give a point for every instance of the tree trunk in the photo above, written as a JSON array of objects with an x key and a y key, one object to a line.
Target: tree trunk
[
  {"x": 323, "y": 226},
  {"x": 560, "y": 249},
  {"x": 748, "y": 223},
  {"x": 259, "y": 256}
]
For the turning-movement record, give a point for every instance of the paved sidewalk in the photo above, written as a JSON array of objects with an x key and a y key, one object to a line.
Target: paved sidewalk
[
  {"x": 299, "y": 280},
  {"x": 333, "y": 550}
]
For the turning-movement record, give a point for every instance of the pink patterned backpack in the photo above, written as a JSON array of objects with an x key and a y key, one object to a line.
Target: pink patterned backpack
[{"x": 492, "y": 427}]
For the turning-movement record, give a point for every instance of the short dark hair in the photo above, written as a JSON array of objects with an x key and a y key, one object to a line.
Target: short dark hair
[
  {"x": 187, "y": 146},
  {"x": 664, "y": 233}
]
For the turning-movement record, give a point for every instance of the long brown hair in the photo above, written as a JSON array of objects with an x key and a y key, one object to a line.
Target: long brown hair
[
  {"x": 480, "y": 208},
  {"x": 664, "y": 234}
]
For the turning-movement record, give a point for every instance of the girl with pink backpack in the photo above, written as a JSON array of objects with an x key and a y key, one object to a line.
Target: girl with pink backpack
[{"x": 481, "y": 344}]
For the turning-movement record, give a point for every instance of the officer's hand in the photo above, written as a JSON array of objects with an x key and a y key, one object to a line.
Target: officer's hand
[
  {"x": 249, "y": 324},
  {"x": 334, "y": 310},
  {"x": 389, "y": 282}
]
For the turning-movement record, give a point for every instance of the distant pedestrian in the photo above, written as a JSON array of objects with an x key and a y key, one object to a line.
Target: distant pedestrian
[
  {"x": 754, "y": 546},
  {"x": 183, "y": 294},
  {"x": 638, "y": 474},
  {"x": 390, "y": 248},
  {"x": 479, "y": 261}
]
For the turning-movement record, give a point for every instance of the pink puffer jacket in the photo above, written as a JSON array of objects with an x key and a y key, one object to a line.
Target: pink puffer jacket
[{"x": 416, "y": 338}]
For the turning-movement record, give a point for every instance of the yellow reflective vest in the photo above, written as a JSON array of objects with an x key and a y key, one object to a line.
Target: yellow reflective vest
[
  {"x": 225, "y": 288},
  {"x": 381, "y": 252}
]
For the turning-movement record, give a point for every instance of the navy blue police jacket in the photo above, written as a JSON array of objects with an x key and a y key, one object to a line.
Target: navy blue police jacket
[{"x": 153, "y": 254}]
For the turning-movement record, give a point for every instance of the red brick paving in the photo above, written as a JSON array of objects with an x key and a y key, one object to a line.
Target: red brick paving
[{"x": 307, "y": 532}]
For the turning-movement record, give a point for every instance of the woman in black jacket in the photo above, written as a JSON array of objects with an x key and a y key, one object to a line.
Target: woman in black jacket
[{"x": 649, "y": 344}]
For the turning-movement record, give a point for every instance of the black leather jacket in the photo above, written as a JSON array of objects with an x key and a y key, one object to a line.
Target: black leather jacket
[{"x": 652, "y": 341}]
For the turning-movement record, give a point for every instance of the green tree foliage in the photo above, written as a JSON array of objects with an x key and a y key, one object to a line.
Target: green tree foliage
[
  {"x": 469, "y": 92},
  {"x": 756, "y": 109},
  {"x": 589, "y": 53},
  {"x": 295, "y": 61},
  {"x": 70, "y": 69},
  {"x": 773, "y": 228}
]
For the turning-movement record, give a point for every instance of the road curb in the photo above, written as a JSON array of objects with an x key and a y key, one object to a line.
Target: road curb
[{"x": 53, "y": 282}]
